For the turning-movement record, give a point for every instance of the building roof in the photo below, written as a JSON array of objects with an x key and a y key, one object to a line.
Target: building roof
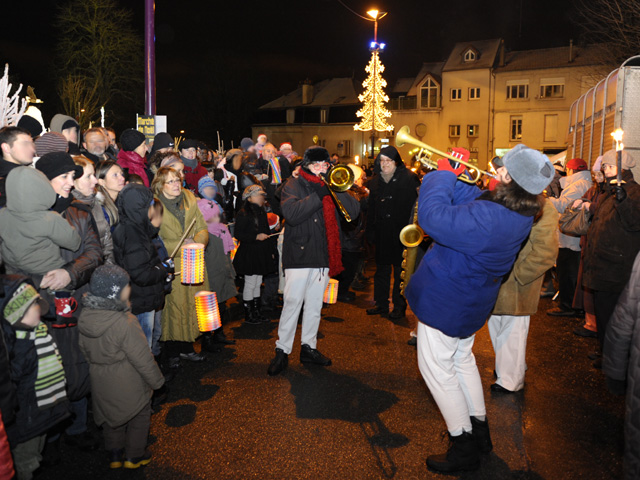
[
  {"x": 433, "y": 69},
  {"x": 552, "y": 58},
  {"x": 402, "y": 86},
  {"x": 330, "y": 92},
  {"x": 486, "y": 50}
]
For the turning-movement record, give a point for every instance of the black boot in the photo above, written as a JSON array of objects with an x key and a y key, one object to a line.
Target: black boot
[
  {"x": 463, "y": 454},
  {"x": 257, "y": 304},
  {"x": 220, "y": 338},
  {"x": 480, "y": 431},
  {"x": 311, "y": 355},
  {"x": 279, "y": 363},
  {"x": 208, "y": 344},
  {"x": 249, "y": 313}
]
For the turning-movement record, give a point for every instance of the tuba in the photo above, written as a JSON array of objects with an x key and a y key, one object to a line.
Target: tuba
[{"x": 340, "y": 179}]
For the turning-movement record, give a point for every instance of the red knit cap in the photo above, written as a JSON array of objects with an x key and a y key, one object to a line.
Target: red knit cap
[{"x": 577, "y": 164}]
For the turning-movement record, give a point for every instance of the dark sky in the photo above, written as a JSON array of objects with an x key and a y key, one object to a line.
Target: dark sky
[{"x": 217, "y": 61}]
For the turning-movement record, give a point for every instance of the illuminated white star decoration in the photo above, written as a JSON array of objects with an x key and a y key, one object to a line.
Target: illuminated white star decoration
[{"x": 374, "y": 113}]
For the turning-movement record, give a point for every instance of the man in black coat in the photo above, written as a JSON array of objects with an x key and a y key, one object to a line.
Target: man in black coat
[
  {"x": 311, "y": 253},
  {"x": 393, "y": 192}
]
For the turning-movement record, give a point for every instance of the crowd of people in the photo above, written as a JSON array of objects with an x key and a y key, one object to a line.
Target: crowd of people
[{"x": 93, "y": 306}]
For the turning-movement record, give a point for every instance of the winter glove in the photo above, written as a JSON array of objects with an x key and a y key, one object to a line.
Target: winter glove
[
  {"x": 169, "y": 266},
  {"x": 617, "y": 387},
  {"x": 322, "y": 192},
  {"x": 493, "y": 183},
  {"x": 445, "y": 164},
  {"x": 619, "y": 192}
]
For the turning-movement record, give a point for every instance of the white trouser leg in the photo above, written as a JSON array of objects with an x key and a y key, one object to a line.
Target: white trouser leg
[
  {"x": 251, "y": 288},
  {"x": 509, "y": 338},
  {"x": 313, "y": 298},
  {"x": 449, "y": 370},
  {"x": 295, "y": 284}
]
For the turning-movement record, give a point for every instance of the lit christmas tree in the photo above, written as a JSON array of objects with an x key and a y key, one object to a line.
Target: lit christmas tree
[{"x": 374, "y": 113}]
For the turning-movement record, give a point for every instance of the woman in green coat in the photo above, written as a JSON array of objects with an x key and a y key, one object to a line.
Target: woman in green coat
[{"x": 179, "y": 321}]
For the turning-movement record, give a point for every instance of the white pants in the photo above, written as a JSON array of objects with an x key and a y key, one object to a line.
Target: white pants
[
  {"x": 449, "y": 368},
  {"x": 509, "y": 338},
  {"x": 302, "y": 286},
  {"x": 251, "y": 288}
]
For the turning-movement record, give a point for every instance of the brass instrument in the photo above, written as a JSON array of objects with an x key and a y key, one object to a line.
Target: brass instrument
[
  {"x": 340, "y": 179},
  {"x": 411, "y": 237},
  {"x": 426, "y": 152}
]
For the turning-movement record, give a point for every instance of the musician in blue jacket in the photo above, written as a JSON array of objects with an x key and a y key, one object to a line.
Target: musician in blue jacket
[{"x": 476, "y": 238}]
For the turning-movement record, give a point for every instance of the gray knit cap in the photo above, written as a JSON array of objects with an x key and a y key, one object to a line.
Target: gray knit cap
[
  {"x": 108, "y": 281},
  {"x": 529, "y": 168}
]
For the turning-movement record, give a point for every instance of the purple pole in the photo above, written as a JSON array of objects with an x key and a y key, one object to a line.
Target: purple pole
[{"x": 149, "y": 58}]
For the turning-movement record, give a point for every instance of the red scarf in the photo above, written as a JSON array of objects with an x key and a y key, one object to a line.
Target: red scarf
[{"x": 330, "y": 227}]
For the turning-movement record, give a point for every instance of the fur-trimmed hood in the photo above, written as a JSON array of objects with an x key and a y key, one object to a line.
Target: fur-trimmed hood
[{"x": 99, "y": 314}]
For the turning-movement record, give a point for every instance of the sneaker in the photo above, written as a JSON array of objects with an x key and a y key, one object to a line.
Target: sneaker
[
  {"x": 312, "y": 355},
  {"x": 138, "y": 462},
  {"x": 116, "y": 458},
  {"x": 193, "y": 357},
  {"x": 279, "y": 363}
]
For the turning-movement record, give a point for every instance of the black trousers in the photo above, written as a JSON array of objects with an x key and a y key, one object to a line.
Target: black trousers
[
  {"x": 568, "y": 264},
  {"x": 604, "y": 303},
  {"x": 350, "y": 262},
  {"x": 382, "y": 283}
]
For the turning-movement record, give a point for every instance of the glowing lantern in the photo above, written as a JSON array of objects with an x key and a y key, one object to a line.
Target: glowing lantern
[
  {"x": 207, "y": 311},
  {"x": 193, "y": 263},
  {"x": 331, "y": 292},
  {"x": 236, "y": 244}
]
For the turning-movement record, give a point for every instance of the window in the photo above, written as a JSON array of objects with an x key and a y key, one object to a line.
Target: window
[
  {"x": 470, "y": 56},
  {"x": 454, "y": 130},
  {"x": 552, "y": 91},
  {"x": 550, "y": 128},
  {"x": 456, "y": 94},
  {"x": 515, "y": 134},
  {"x": 430, "y": 94},
  {"x": 518, "y": 90},
  {"x": 474, "y": 93},
  {"x": 472, "y": 130}
]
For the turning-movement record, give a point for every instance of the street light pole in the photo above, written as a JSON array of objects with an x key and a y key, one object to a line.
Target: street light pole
[{"x": 149, "y": 57}]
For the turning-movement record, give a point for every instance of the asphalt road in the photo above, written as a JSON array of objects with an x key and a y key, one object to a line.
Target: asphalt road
[{"x": 370, "y": 415}]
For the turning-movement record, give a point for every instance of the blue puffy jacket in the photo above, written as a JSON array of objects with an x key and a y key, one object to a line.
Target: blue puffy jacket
[{"x": 475, "y": 245}]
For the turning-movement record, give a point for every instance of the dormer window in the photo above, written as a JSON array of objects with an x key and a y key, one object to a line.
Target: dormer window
[{"x": 470, "y": 55}]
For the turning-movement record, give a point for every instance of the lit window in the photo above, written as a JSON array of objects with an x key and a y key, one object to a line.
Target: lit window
[
  {"x": 470, "y": 56},
  {"x": 456, "y": 94},
  {"x": 552, "y": 91},
  {"x": 454, "y": 130},
  {"x": 474, "y": 93},
  {"x": 515, "y": 135},
  {"x": 519, "y": 90},
  {"x": 430, "y": 94},
  {"x": 472, "y": 130}
]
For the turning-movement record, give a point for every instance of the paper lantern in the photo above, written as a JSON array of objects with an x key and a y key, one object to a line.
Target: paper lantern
[
  {"x": 193, "y": 263},
  {"x": 207, "y": 311},
  {"x": 331, "y": 292}
]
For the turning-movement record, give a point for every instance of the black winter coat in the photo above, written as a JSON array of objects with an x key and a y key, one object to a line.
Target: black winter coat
[
  {"x": 390, "y": 206},
  {"x": 305, "y": 237},
  {"x": 135, "y": 252},
  {"x": 613, "y": 239},
  {"x": 352, "y": 238},
  {"x": 254, "y": 257}
]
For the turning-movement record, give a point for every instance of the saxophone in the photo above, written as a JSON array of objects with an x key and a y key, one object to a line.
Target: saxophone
[{"x": 411, "y": 237}]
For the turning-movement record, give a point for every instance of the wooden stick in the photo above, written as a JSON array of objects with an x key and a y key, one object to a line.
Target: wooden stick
[
  {"x": 274, "y": 234},
  {"x": 186, "y": 232}
]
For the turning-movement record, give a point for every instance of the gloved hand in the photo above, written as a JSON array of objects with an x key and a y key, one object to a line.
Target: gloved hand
[
  {"x": 619, "y": 192},
  {"x": 169, "y": 266},
  {"x": 493, "y": 183},
  {"x": 445, "y": 164},
  {"x": 322, "y": 192}
]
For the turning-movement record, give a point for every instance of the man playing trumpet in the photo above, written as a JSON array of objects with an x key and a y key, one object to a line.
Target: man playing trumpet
[{"x": 476, "y": 237}]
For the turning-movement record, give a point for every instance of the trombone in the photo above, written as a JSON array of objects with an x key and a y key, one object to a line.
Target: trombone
[
  {"x": 426, "y": 152},
  {"x": 340, "y": 179}
]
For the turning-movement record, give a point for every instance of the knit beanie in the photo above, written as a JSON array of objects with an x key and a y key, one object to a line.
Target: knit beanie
[
  {"x": 246, "y": 143},
  {"x": 597, "y": 165},
  {"x": 131, "y": 139},
  {"x": 205, "y": 182},
  {"x": 611, "y": 158},
  {"x": 57, "y": 163},
  {"x": 51, "y": 142},
  {"x": 577, "y": 164},
  {"x": 33, "y": 126},
  {"x": 529, "y": 168},
  {"x": 315, "y": 155},
  {"x": 108, "y": 281},
  {"x": 161, "y": 140},
  {"x": 21, "y": 300},
  {"x": 252, "y": 190},
  {"x": 188, "y": 143}
]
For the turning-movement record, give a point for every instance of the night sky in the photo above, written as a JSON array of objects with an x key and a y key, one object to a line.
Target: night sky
[{"x": 218, "y": 61}]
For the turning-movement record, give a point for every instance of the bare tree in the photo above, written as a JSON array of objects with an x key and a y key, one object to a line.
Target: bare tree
[{"x": 100, "y": 57}]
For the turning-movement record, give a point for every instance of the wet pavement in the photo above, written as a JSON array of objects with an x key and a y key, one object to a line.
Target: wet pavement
[{"x": 370, "y": 415}]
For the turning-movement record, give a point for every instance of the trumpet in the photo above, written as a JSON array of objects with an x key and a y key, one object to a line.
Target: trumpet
[
  {"x": 340, "y": 179},
  {"x": 426, "y": 152}
]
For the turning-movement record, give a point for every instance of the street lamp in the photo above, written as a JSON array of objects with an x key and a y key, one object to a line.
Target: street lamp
[{"x": 376, "y": 15}]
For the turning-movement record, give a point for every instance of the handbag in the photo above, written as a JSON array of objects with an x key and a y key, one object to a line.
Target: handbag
[{"x": 574, "y": 221}]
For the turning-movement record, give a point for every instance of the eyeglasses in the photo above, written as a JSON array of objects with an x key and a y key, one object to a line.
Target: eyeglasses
[{"x": 173, "y": 182}]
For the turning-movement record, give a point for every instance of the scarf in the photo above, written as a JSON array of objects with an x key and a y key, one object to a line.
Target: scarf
[
  {"x": 50, "y": 379},
  {"x": 275, "y": 169},
  {"x": 330, "y": 227},
  {"x": 176, "y": 207}
]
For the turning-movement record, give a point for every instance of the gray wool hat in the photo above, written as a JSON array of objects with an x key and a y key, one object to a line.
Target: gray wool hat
[
  {"x": 529, "y": 168},
  {"x": 108, "y": 281},
  {"x": 611, "y": 158}
]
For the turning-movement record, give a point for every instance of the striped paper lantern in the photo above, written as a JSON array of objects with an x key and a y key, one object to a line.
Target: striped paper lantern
[
  {"x": 193, "y": 263},
  {"x": 331, "y": 292},
  {"x": 207, "y": 311}
]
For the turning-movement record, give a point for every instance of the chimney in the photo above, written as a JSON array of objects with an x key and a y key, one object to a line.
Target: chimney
[
  {"x": 571, "y": 50},
  {"x": 307, "y": 92},
  {"x": 502, "y": 53}
]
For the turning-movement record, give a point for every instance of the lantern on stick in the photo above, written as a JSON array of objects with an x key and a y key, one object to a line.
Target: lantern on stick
[
  {"x": 617, "y": 136},
  {"x": 331, "y": 292},
  {"x": 193, "y": 263},
  {"x": 207, "y": 311}
]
